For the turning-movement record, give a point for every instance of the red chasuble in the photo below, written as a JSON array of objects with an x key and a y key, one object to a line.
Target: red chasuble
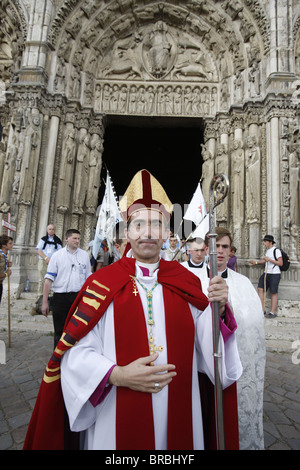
[{"x": 49, "y": 426}]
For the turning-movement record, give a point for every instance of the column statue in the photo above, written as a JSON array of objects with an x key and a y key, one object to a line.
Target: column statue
[
  {"x": 253, "y": 189},
  {"x": 32, "y": 143},
  {"x": 66, "y": 171},
  {"x": 81, "y": 172},
  {"x": 95, "y": 164},
  {"x": 237, "y": 180}
]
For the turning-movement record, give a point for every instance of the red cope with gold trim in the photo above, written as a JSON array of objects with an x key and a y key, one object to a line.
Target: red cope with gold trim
[{"x": 49, "y": 426}]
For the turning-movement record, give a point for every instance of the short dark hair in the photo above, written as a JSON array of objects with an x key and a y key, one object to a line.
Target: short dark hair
[
  {"x": 221, "y": 232},
  {"x": 71, "y": 231},
  {"x": 4, "y": 239},
  {"x": 196, "y": 239}
]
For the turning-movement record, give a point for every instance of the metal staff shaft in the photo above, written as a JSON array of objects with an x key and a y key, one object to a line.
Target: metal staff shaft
[
  {"x": 218, "y": 191},
  {"x": 8, "y": 312}
]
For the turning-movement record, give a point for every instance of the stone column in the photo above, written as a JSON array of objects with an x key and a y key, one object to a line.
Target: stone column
[
  {"x": 275, "y": 178},
  {"x": 35, "y": 53},
  {"x": 273, "y": 60},
  {"x": 48, "y": 176}
]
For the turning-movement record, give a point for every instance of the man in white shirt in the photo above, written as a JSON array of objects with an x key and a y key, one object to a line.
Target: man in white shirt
[
  {"x": 46, "y": 247},
  {"x": 67, "y": 270},
  {"x": 271, "y": 277}
]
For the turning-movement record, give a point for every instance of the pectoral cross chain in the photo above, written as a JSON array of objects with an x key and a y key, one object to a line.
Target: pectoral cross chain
[{"x": 152, "y": 347}]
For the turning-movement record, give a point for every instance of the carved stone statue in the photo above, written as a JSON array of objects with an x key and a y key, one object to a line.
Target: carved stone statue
[
  {"x": 253, "y": 189},
  {"x": 66, "y": 171},
  {"x": 254, "y": 80},
  {"x": 237, "y": 180},
  {"x": 75, "y": 83},
  {"x": 221, "y": 166},
  {"x": 95, "y": 165},
  {"x": 60, "y": 77},
  {"x": 159, "y": 48},
  {"x": 150, "y": 100},
  {"x": 97, "y": 98},
  {"x": 3, "y": 148},
  {"x": 32, "y": 143},
  {"x": 238, "y": 87},
  {"x": 207, "y": 173},
  {"x": 9, "y": 161},
  {"x": 122, "y": 100},
  {"x": 81, "y": 172},
  {"x": 294, "y": 170}
]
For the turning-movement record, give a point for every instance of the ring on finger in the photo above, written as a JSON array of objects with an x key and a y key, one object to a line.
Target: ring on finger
[{"x": 156, "y": 386}]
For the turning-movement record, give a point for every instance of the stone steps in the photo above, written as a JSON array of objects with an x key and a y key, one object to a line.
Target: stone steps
[
  {"x": 20, "y": 317},
  {"x": 281, "y": 332},
  {"x": 281, "y": 335}
]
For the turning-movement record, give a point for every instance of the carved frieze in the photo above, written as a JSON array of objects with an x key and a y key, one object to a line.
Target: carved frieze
[{"x": 163, "y": 99}]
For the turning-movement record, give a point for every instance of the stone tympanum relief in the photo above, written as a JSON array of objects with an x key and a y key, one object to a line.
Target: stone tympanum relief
[{"x": 155, "y": 71}]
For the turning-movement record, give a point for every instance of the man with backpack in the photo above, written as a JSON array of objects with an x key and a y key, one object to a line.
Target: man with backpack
[{"x": 270, "y": 279}]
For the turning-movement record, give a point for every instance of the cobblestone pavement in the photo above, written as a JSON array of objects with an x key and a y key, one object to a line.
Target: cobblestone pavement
[{"x": 30, "y": 350}]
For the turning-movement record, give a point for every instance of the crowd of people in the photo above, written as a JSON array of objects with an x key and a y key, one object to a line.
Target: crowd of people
[{"x": 133, "y": 337}]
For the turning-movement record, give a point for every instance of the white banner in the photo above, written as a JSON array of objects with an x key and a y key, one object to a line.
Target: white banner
[
  {"x": 196, "y": 210},
  {"x": 109, "y": 216}
]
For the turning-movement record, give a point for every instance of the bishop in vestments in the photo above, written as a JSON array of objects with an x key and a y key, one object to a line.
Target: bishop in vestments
[{"x": 124, "y": 375}]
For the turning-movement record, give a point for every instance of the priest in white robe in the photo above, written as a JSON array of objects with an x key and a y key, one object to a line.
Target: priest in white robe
[
  {"x": 196, "y": 252},
  {"x": 250, "y": 337}
]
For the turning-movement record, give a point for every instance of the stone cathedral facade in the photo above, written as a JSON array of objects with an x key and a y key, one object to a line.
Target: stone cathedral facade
[{"x": 65, "y": 65}]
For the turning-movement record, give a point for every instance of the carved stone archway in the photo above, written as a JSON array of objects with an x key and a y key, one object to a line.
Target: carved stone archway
[
  {"x": 79, "y": 61},
  {"x": 194, "y": 60}
]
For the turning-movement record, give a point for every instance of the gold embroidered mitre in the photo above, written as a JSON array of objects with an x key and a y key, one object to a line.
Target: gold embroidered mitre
[{"x": 145, "y": 192}]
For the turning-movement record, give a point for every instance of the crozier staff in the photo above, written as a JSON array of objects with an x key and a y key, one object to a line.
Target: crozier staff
[{"x": 140, "y": 310}]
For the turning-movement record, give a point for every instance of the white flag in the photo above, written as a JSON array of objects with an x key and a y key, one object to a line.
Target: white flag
[
  {"x": 202, "y": 228},
  {"x": 109, "y": 216},
  {"x": 196, "y": 210}
]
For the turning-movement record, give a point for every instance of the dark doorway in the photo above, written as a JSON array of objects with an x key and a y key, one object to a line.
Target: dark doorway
[{"x": 170, "y": 148}]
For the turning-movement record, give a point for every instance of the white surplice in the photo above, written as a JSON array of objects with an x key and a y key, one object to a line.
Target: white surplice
[
  {"x": 84, "y": 366},
  {"x": 250, "y": 336}
]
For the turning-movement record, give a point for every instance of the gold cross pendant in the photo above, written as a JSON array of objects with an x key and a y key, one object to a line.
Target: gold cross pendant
[
  {"x": 153, "y": 348},
  {"x": 135, "y": 291}
]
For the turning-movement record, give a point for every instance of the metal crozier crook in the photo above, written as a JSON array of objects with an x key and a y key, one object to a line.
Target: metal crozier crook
[{"x": 218, "y": 191}]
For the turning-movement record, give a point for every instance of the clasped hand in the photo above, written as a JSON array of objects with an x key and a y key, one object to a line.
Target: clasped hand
[{"x": 141, "y": 377}]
